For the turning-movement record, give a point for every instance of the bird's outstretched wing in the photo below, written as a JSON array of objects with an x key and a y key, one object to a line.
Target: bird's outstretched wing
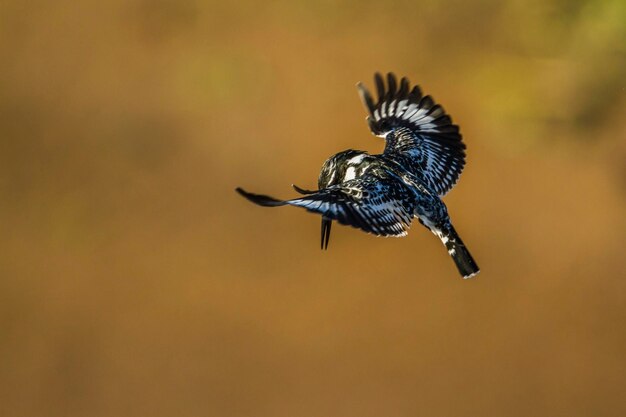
[
  {"x": 419, "y": 134},
  {"x": 382, "y": 206}
]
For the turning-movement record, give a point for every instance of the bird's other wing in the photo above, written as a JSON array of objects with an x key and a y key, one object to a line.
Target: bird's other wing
[
  {"x": 419, "y": 134},
  {"x": 383, "y": 207}
]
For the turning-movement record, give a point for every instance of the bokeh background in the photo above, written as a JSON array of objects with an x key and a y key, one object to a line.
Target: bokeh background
[{"x": 135, "y": 282}]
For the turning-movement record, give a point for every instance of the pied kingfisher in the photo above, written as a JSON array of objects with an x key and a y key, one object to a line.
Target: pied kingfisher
[{"x": 381, "y": 194}]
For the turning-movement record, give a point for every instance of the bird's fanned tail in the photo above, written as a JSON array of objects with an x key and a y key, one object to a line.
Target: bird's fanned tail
[{"x": 462, "y": 258}]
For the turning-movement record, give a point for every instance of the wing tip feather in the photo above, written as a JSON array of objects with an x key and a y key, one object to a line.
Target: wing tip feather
[{"x": 261, "y": 200}]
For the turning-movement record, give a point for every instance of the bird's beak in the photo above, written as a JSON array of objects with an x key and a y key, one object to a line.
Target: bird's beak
[{"x": 326, "y": 223}]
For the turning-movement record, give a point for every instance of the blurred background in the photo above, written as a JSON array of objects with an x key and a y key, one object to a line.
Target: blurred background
[{"x": 134, "y": 281}]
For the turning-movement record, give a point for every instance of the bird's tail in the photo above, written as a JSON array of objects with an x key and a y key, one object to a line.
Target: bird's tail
[{"x": 464, "y": 261}]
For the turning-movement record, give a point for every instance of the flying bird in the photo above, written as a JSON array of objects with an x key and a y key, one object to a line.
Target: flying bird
[{"x": 381, "y": 194}]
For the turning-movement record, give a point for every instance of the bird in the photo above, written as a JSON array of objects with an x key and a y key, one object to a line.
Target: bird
[{"x": 381, "y": 194}]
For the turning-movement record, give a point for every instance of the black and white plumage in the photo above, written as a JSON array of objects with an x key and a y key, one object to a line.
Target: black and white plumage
[{"x": 381, "y": 194}]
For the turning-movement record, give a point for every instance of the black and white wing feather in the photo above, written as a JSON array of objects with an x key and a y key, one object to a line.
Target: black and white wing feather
[
  {"x": 382, "y": 206},
  {"x": 419, "y": 134}
]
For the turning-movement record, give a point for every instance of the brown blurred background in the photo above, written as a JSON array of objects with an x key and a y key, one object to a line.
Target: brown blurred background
[{"x": 135, "y": 282}]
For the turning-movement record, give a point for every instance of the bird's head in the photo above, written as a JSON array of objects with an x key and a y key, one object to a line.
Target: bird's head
[
  {"x": 337, "y": 169},
  {"x": 340, "y": 167}
]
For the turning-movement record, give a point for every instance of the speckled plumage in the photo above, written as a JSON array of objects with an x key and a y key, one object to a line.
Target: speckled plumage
[{"x": 381, "y": 194}]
